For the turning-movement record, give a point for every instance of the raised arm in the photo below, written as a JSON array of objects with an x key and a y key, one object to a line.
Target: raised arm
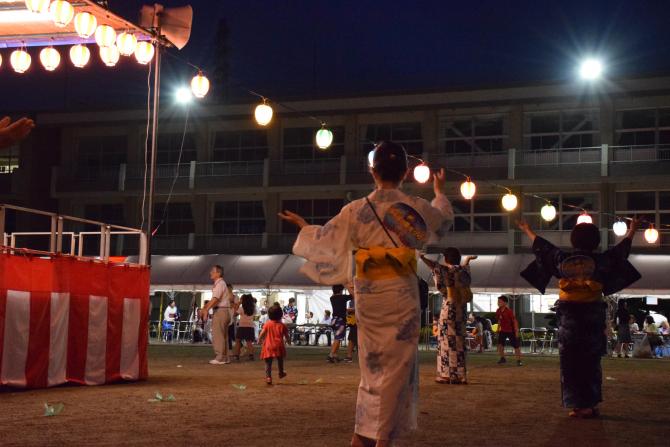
[
  {"x": 523, "y": 226},
  {"x": 467, "y": 260},
  {"x": 431, "y": 264}
]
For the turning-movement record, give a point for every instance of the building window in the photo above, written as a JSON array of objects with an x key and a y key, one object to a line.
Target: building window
[
  {"x": 245, "y": 145},
  {"x": 646, "y": 127},
  {"x": 407, "y": 134},
  {"x": 9, "y": 159},
  {"x": 245, "y": 217},
  {"x": 653, "y": 205},
  {"x": 557, "y": 130},
  {"x": 483, "y": 214},
  {"x": 110, "y": 213},
  {"x": 300, "y": 144},
  {"x": 568, "y": 208},
  {"x": 176, "y": 219},
  {"x": 102, "y": 152},
  {"x": 467, "y": 135},
  {"x": 170, "y": 144},
  {"x": 315, "y": 211}
]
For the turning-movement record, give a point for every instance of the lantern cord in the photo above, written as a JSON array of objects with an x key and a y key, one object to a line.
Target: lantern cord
[
  {"x": 146, "y": 146},
  {"x": 176, "y": 174},
  {"x": 241, "y": 86}
]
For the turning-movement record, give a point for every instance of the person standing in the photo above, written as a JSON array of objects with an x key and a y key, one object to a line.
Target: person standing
[
  {"x": 220, "y": 304},
  {"x": 508, "y": 329},
  {"x": 170, "y": 317},
  {"x": 385, "y": 228},
  {"x": 338, "y": 301},
  {"x": 245, "y": 330},
  {"x": 272, "y": 339},
  {"x": 233, "y": 316},
  {"x": 453, "y": 282},
  {"x": 585, "y": 277},
  {"x": 622, "y": 322}
]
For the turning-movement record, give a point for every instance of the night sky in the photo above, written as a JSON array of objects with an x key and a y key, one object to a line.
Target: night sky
[{"x": 308, "y": 49}]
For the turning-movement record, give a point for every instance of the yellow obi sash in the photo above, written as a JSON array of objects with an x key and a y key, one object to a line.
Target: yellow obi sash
[
  {"x": 385, "y": 263},
  {"x": 584, "y": 291}
]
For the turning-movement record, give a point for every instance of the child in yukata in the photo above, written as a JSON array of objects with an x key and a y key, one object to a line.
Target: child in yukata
[
  {"x": 453, "y": 282},
  {"x": 585, "y": 277}
]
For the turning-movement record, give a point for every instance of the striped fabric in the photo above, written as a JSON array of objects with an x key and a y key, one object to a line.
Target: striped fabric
[{"x": 67, "y": 320}]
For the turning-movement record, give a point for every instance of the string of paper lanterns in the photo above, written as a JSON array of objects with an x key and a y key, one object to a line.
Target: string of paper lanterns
[{"x": 509, "y": 201}]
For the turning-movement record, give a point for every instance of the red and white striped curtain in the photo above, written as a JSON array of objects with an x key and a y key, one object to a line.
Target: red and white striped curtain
[{"x": 69, "y": 320}]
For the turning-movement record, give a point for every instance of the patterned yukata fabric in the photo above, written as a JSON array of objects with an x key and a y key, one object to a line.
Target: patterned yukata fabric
[
  {"x": 581, "y": 344},
  {"x": 387, "y": 310},
  {"x": 452, "y": 323}
]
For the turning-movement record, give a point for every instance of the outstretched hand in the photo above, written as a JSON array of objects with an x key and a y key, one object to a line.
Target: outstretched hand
[
  {"x": 523, "y": 226},
  {"x": 11, "y": 133},
  {"x": 293, "y": 218},
  {"x": 439, "y": 180}
]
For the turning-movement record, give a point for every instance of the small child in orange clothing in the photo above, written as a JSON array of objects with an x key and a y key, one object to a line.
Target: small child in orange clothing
[{"x": 272, "y": 339}]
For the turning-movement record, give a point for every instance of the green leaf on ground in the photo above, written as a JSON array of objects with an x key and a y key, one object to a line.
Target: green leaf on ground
[
  {"x": 239, "y": 386},
  {"x": 53, "y": 410},
  {"x": 319, "y": 380}
]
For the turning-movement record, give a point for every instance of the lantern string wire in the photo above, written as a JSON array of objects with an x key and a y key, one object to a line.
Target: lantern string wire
[
  {"x": 252, "y": 92},
  {"x": 146, "y": 146}
]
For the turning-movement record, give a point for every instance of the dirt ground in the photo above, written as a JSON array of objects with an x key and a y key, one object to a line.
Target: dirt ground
[{"x": 314, "y": 406}]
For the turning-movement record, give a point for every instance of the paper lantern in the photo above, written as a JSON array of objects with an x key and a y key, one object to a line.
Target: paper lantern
[
  {"x": 584, "y": 218},
  {"x": 263, "y": 114},
  {"x": 109, "y": 55},
  {"x": 144, "y": 52},
  {"x": 50, "y": 58},
  {"x": 371, "y": 158},
  {"x": 548, "y": 212},
  {"x": 509, "y": 202},
  {"x": 620, "y": 228},
  {"x": 324, "y": 138},
  {"x": 105, "y": 36},
  {"x": 126, "y": 43},
  {"x": 85, "y": 24},
  {"x": 468, "y": 189},
  {"x": 79, "y": 55},
  {"x": 40, "y": 6},
  {"x": 199, "y": 85},
  {"x": 651, "y": 234},
  {"x": 422, "y": 173},
  {"x": 62, "y": 12},
  {"x": 20, "y": 60}
]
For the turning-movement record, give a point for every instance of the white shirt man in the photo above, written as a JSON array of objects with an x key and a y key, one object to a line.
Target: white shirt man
[
  {"x": 222, "y": 300},
  {"x": 170, "y": 314}
]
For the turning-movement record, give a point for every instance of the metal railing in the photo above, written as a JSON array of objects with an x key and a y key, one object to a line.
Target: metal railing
[
  {"x": 307, "y": 166},
  {"x": 56, "y": 233},
  {"x": 631, "y": 154},
  {"x": 563, "y": 156},
  {"x": 229, "y": 168},
  {"x": 475, "y": 160}
]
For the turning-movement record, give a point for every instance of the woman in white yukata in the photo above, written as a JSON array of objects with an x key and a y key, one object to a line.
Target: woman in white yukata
[{"x": 386, "y": 289}]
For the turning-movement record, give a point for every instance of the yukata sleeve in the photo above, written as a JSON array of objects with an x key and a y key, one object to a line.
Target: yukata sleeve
[
  {"x": 439, "y": 215},
  {"x": 327, "y": 250},
  {"x": 547, "y": 259},
  {"x": 621, "y": 272}
]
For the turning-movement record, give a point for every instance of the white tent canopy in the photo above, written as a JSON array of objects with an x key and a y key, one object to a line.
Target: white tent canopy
[{"x": 491, "y": 273}]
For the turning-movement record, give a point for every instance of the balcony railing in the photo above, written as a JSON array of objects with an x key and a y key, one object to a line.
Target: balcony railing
[
  {"x": 630, "y": 154},
  {"x": 563, "y": 156},
  {"x": 550, "y": 163}
]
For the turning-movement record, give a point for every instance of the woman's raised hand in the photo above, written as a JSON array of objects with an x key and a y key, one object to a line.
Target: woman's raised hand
[
  {"x": 439, "y": 179},
  {"x": 293, "y": 218}
]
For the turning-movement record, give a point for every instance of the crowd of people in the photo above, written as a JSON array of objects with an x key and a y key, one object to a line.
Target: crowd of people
[{"x": 385, "y": 230}]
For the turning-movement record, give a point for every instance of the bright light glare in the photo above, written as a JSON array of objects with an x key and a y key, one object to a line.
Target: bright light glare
[
  {"x": 22, "y": 16},
  {"x": 183, "y": 95},
  {"x": 591, "y": 69}
]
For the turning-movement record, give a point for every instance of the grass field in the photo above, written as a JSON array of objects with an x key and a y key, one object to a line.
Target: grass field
[{"x": 314, "y": 406}]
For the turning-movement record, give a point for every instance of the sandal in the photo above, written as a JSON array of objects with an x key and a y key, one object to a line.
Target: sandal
[
  {"x": 282, "y": 374},
  {"x": 268, "y": 380},
  {"x": 584, "y": 413},
  {"x": 442, "y": 380}
]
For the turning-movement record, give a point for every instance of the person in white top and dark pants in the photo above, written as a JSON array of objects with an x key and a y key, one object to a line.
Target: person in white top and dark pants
[{"x": 220, "y": 303}]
